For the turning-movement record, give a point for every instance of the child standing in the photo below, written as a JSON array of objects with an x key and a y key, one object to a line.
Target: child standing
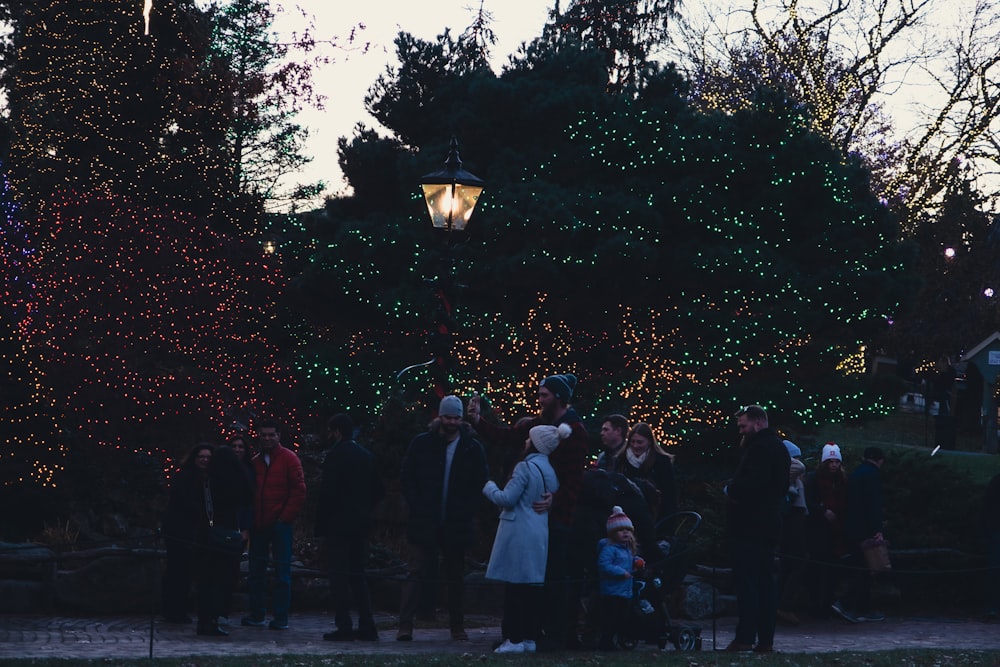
[
  {"x": 520, "y": 549},
  {"x": 615, "y": 561}
]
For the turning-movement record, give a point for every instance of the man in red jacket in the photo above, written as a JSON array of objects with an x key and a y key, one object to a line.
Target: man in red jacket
[{"x": 280, "y": 495}]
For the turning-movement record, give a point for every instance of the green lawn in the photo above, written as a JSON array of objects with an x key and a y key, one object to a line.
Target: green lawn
[{"x": 917, "y": 433}]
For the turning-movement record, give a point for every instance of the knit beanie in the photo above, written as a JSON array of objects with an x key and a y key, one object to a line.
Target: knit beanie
[
  {"x": 546, "y": 438},
  {"x": 831, "y": 451},
  {"x": 618, "y": 519},
  {"x": 792, "y": 448},
  {"x": 561, "y": 385},
  {"x": 451, "y": 406}
]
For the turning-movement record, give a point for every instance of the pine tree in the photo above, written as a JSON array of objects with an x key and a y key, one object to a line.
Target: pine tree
[
  {"x": 153, "y": 330},
  {"x": 263, "y": 143},
  {"x": 31, "y": 450},
  {"x": 678, "y": 262},
  {"x": 97, "y": 104},
  {"x": 628, "y": 32},
  {"x": 959, "y": 280}
]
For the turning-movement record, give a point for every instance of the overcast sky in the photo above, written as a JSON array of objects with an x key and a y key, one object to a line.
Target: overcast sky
[{"x": 347, "y": 79}]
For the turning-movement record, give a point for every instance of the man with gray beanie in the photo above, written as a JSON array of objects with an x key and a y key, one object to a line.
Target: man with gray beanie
[
  {"x": 568, "y": 460},
  {"x": 441, "y": 477}
]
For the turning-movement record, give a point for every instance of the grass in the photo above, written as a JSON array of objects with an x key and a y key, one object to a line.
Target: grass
[
  {"x": 910, "y": 658},
  {"x": 915, "y": 432}
]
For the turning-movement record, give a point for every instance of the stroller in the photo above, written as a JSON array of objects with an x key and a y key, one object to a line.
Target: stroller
[
  {"x": 664, "y": 548},
  {"x": 666, "y": 565}
]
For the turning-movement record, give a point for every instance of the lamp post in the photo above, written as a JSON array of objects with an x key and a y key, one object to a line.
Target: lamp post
[{"x": 451, "y": 195}]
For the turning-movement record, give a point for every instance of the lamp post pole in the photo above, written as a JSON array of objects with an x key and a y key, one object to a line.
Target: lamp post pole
[{"x": 451, "y": 195}]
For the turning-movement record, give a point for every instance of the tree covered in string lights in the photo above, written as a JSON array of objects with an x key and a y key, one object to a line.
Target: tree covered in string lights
[
  {"x": 849, "y": 62},
  {"x": 98, "y": 102},
  {"x": 153, "y": 330},
  {"x": 680, "y": 263},
  {"x": 32, "y": 450},
  {"x": 822, "y": 77}
]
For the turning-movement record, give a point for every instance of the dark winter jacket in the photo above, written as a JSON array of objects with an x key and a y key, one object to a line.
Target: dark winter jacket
[
  {"x": 422, "y": 482},
  {"x": 231, "y": 488},
  {"x": 757, "y": 492},
  {"x": 600, "y": 492},
  {"x": 864, "y": 503},
  {"x": 349, "y": 491},
  {"x": 991, "y": 507},
  {"x": 825, "y": 491},
  {"x": 568, "y": 460},
  {"x": 185, "y": 508},
  {"x": 660, "y": 476}
]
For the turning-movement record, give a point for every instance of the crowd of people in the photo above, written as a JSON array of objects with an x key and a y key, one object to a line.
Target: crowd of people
[
  {"x": 570, "y": 534},
  {"x": 221, "y": 500}
]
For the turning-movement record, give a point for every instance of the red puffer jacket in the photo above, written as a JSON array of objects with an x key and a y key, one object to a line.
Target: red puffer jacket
[{"x": 281, "y": 488}]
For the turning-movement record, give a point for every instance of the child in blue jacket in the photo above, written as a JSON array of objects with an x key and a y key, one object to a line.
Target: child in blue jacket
[{"x": 615, "y": 561}]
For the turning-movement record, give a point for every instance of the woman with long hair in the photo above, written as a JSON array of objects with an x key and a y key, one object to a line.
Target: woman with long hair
[
  {"x": 179, "y": 529},
  {"x": 240, "y": 445},
  {"x": 225, "y": 490},
  {"x": 646, "y": 463}
]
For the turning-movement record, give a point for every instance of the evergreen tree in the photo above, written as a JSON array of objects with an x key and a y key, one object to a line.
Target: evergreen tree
[
  {"x": 263, "y": 143},
  {"x": 957, "y": 298},
  {"x": 629, "y": 33},
  {"x": 97, "y": 104},
  {"x": 678, "y": 262},
  {"x": 845, "y": 60},
  {"x": 821, "y": 77},
  {"x": 153, "y": 330},
  {"x": 31, "y": 450}
]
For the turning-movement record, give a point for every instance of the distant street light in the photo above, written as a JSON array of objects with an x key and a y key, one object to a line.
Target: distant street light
[{"x": 451, "y": 193}]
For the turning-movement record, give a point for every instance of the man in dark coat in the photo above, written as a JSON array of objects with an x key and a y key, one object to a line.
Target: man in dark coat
[
  {"x": 441, "y": 477},
  {"x": 755, "y": 498},
  {"x": 864, "y": 522},
  {"x": 349, "y": 491}
]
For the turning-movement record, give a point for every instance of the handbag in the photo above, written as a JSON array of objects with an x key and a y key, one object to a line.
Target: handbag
[
  {"x": 226, "y": 540},
  {"x": 229, "y": 540},
  {"x": 876, "y": 555}
]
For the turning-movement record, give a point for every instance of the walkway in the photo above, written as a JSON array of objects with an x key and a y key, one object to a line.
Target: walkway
[{"x": 33, "y": 636}]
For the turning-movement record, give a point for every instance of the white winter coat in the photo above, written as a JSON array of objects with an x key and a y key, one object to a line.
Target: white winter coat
[{"x": 522, "y": 541}]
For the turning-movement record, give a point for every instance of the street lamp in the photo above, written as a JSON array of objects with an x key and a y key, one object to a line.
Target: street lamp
[{"x": 451, "y": 193}]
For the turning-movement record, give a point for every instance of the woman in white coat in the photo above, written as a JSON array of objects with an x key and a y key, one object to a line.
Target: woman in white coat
[{"x": 521, "y": 545}]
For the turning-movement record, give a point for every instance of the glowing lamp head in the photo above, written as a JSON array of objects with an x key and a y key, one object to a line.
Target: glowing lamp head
[
  {"x": 451, "y": 193},
  {"x": 949, "y": 253}
]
